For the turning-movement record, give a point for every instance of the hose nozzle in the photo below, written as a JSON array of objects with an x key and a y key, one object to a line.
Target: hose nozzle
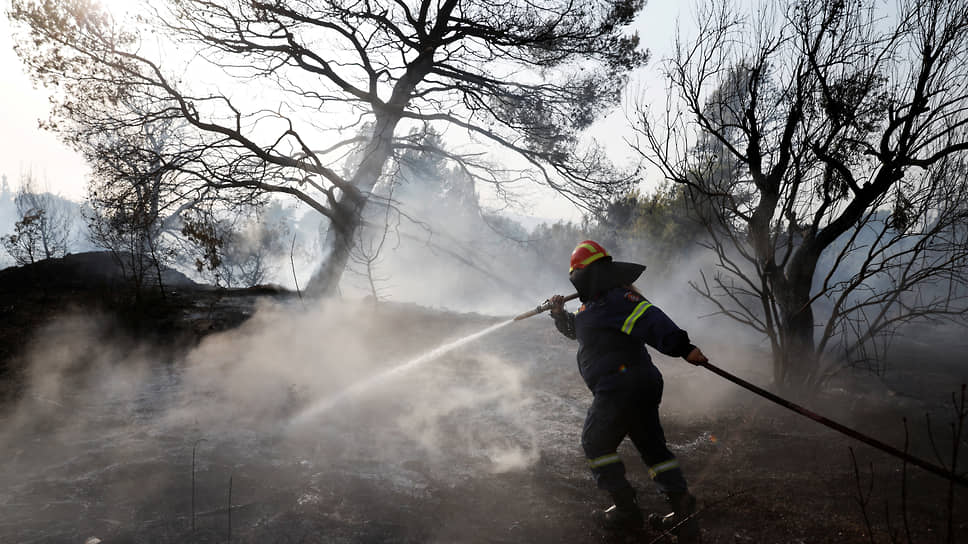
[{"x": 543, "y": 307}]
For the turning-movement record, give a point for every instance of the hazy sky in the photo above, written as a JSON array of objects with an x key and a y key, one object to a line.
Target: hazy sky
[{"x": 23, "y": 146}]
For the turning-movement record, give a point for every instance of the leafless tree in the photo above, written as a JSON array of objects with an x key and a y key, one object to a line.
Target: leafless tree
[
  {"x": 45, "y": 226},
  {"x": 825, "y": 142},
  {"x": 367, "y": 256},
  {"x": 130, "y": 233},
  {"x": 272, "y": 89},
  {"x": 135, "y": 195}
]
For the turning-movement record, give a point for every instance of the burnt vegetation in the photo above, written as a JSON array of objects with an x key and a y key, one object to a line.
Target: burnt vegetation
[
  {"x": 813, "y": 196},
  {"x": 824, "y": 147},
  {"x": 351, "y": 78}
]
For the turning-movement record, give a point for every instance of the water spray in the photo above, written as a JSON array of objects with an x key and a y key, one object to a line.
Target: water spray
[
  {"x": 328, "y": 403},
  {"x": 357, "y": 388}
]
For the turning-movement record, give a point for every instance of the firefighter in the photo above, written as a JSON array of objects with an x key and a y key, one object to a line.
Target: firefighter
[{"x": 612, "y": 327}]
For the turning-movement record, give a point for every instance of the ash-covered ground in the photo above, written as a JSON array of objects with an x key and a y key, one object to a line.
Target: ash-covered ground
[{"x": 478, "y": 445}]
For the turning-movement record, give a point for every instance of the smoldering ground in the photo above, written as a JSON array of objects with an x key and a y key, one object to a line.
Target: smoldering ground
[
  {"x": 479, "y": 445},
  {"x": 101, "y": 442}
]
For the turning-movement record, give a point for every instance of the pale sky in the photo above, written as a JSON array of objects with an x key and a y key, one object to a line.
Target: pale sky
[{"x": 25, "y": 147}]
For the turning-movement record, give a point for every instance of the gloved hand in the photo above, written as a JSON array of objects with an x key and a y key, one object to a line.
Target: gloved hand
[
  {"x": 696, "y": 357},
  {"x": 557, "y": 304}
]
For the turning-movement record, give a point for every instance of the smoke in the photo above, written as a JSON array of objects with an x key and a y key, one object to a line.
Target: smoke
[
  {"x": 470, "y": 261},
  {"x": 277, "y": 366},
  {"x": 111, "y": 424},
  {"x": 106, "y": 426},
  {"x": 484, "y": 415},
  {"x": 103, "y": 439}
]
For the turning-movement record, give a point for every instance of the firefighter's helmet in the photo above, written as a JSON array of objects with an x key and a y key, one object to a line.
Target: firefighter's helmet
[
  {"x": 607, "y": 274},
  {"x": 586, "y": 253}
]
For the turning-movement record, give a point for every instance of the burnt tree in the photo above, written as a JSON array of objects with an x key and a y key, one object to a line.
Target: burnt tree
[
  {"x": 44, "y": 226},
  {"x": 275, "y": 92},
  {"x": 136, "y": 194},
  {"x": 825, "y": 144}
]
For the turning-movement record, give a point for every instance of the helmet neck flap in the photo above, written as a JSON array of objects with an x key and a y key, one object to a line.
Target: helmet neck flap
[{"x": 602, "y": 275}]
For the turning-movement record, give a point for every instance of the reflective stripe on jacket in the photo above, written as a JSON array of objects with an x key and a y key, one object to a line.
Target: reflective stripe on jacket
[{"x": 612, "y": 331}]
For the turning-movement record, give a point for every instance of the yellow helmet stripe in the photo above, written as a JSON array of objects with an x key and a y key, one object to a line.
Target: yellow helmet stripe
[
  {"x": 595, "y": 255},
  {"x": 592, "y": 259}
]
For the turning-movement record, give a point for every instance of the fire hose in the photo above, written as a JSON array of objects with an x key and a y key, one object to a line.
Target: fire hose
[
  {"x": 543, "y": 307},
  {"x": 839, "y": 427}
]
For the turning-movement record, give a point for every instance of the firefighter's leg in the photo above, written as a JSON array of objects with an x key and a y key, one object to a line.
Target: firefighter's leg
[
  {"x": 604, "y": 430},
  {"x": 646, "y": 433}
]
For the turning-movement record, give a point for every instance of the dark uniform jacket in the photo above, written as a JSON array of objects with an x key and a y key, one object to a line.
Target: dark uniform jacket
[{"x": 612, "y": 330}]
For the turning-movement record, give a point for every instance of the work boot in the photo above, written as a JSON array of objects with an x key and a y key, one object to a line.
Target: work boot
[
  {"x": 623, "y": 515},
  {"x": 681, "y": 521}
]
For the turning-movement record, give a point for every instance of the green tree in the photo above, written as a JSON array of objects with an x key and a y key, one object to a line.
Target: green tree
[{"x": 662, "y": 227}]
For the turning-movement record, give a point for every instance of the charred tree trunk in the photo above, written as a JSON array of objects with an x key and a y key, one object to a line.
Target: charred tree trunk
[
  {"x": 339, "y": 239},
  {"x": 799, "y": 359},
  {"x": 340, "y": 58},
  {"x": 348, "y": 212}
]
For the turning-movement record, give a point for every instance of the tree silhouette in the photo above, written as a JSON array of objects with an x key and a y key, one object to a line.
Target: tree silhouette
[
  {"x": 274, "y": 92},
  {"x": 44, "y": 226},
  {"x": 826, "y": 146}
]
